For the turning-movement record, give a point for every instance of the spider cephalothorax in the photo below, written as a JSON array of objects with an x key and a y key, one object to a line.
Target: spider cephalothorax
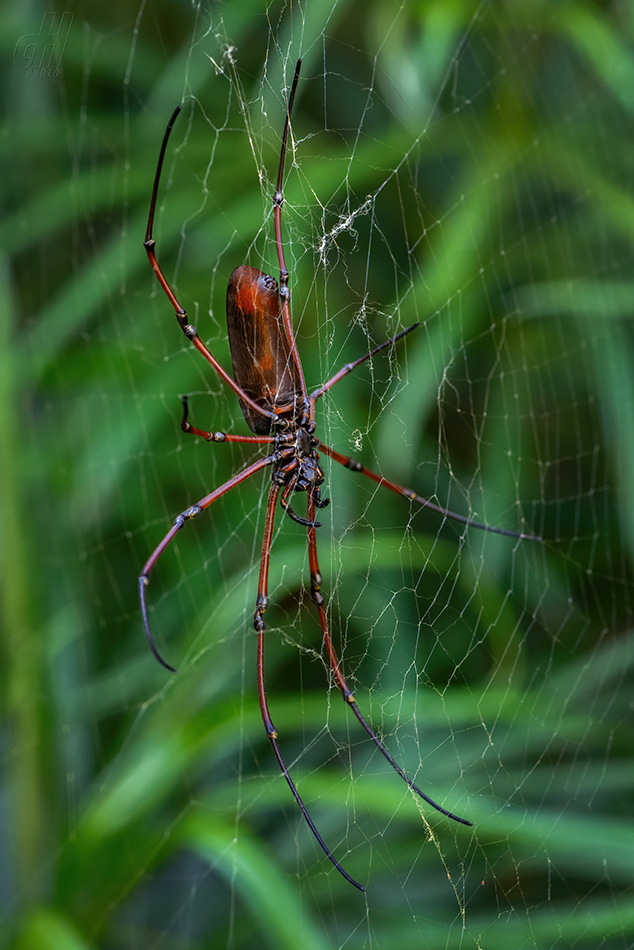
[{"x": 296, "y": 467}]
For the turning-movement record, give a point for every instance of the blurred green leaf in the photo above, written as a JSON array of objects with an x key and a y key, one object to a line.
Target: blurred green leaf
[{"x": 465, "y": 165}]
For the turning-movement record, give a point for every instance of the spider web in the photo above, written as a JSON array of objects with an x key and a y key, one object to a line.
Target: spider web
[{"x": 462, "y": 165}]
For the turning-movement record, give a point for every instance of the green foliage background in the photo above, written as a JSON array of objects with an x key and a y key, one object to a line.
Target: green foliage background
[{"x": 142, "y": 811}]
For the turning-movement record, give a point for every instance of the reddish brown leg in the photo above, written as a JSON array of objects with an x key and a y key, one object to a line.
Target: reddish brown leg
[
  {"x": 179, "y": 522},
  {"x": 219, "y": 436},
  {"x": 412, "y": 496},
  {"x": 348, "y": 368},
  {"x": 346, "y": 692},
  {"x": 278, "y": 201},
  {"x": 181, "y": 315},
  {"x": 260, "y": 627},
  {"x": 288, "y": 490},
  {"x": 406, "y": 492}
]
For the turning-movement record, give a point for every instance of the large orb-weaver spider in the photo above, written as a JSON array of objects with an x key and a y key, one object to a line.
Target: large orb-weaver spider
[{"x": 269, "y": 382}]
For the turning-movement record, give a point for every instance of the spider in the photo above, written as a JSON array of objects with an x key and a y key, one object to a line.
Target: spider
[{"x": 269, "y": 383}]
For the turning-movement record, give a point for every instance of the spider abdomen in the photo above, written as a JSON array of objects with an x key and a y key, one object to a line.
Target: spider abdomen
[{"x": 260, "y": 351}]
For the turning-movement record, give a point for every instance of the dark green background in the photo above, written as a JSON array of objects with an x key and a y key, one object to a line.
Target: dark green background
[{"x": 489, "y": 147}]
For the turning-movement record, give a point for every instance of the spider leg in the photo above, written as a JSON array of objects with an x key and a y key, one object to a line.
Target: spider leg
[
  {"x": 355, "y": 466},
  {"x": 219, "y": 436},
  {"x": 278, "y": 201},
  {"x": 181, "y": 314},
  {"x": 288, "y": 490},
  {"x": 406, "y": 492},
  {"x": 179, "y": 522},
  {"x": 319, "y": 501},
  {"x": 346, "y": 692},
  {"x": 260, "y": 627},
  {"x": 348, "y": 368}
]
